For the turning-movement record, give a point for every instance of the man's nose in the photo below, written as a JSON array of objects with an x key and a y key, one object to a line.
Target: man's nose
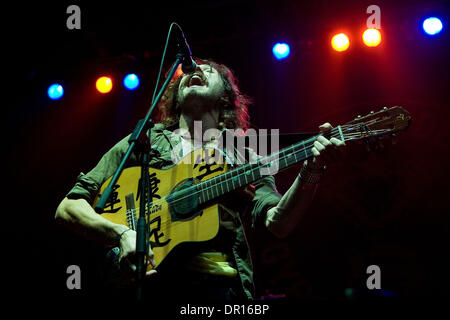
[{"x": 198, "y": 69}]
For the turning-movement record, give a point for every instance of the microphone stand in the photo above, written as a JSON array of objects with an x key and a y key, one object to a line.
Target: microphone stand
[{"x": 141, "y": 143}]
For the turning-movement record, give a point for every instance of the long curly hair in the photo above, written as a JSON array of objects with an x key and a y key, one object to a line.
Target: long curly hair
[{"x": 234, "y": 104}]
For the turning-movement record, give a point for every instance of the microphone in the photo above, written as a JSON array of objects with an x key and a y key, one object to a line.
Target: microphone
[{"x": 188, "y": 65}]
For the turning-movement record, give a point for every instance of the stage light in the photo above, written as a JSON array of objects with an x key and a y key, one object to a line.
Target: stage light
[
  {"x": 104, "y": 84},
  {"x": 372, "y": 37},
  {"x": 340, "y": 42},
  {"x": 131, "y": 81},
  {"x": 281, "y": 51},
  {"x": 55, "y": 91},
  {"x": 432, "y": 26}
]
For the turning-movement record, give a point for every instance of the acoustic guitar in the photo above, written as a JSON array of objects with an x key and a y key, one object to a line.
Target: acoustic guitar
[{"x": 184, "y": 198}]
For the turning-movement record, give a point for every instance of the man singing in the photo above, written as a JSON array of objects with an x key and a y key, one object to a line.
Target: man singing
[{"x": 221, "y": 269}]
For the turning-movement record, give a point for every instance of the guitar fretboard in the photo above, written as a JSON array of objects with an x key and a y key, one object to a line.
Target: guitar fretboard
[{"x": 248, "y": 173}]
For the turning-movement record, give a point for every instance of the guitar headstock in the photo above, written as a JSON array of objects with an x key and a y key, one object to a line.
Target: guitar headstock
[{"x": 386, "y": 122}]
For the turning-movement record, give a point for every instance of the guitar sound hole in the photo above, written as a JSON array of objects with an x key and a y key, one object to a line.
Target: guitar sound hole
[{"x": 183, "y": 203}]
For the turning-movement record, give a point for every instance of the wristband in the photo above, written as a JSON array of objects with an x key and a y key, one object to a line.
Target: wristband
[{"x": 308, "y": 176}]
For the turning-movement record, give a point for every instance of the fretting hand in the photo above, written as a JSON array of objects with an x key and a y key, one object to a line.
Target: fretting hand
[{"x": 325, "y": 151}]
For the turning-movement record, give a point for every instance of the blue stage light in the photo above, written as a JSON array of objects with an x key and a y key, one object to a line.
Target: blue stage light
[
  {"x": 432, "y": 26},
  {"x": 281, "y": 51},
  {"x": 131, "y": 81},
  {"x": 55, "y": 91}
]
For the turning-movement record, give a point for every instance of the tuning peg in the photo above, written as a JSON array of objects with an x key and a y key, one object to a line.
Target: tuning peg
[
  {"x": 371, "y": 112},
  {"x": 385, "y": 108}
]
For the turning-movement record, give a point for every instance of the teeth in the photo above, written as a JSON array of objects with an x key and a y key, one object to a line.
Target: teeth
[{"x": 196, "y": 79}]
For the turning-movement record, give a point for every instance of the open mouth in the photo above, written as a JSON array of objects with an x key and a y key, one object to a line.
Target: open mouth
[{"x": 196, "y": 80}]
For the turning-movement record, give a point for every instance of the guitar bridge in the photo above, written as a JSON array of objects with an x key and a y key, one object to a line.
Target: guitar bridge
[{"x": 131, "y": 210}]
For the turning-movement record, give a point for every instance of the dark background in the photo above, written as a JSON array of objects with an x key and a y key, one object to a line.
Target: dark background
[{"x": 387, "y": 207}]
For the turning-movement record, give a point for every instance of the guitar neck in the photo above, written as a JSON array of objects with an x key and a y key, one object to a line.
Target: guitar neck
[{"x": 248, "y": 173}]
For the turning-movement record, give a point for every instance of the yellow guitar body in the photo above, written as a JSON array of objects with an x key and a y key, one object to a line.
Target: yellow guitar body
[{"x": 166, "y": 232}]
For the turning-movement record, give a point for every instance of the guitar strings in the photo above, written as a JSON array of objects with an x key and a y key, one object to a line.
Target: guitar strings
[{"x": 193, "y": 190}]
